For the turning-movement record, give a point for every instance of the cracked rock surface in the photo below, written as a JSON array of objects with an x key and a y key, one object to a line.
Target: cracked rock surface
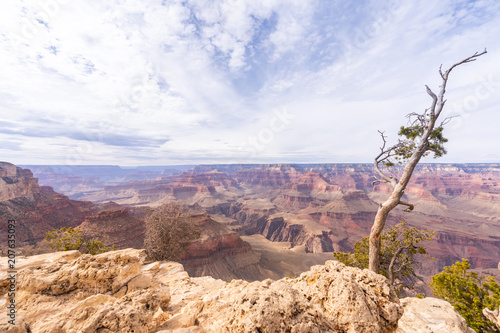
[{"x": 120, "y": 292}]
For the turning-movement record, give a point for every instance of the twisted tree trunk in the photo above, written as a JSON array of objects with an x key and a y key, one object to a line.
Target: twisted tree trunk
[{"x": 419, "y": 145}]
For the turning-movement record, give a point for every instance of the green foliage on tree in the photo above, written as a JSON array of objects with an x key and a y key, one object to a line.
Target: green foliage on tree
[
  {"x": 406, "y": 147},
  {"x": 66, "y": 239},
  {"x": 469, "y": 293},
  {"x": 399, "y": 247}
]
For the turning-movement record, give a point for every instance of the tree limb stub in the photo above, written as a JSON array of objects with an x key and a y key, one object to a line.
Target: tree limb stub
[{"x": 410, "y": 206}]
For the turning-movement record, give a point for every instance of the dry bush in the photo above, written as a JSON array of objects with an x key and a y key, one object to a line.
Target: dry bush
[{"x": 170, "y": 230}]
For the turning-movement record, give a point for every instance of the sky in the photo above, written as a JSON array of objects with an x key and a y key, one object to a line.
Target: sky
[{"x": 241, "y": 81}]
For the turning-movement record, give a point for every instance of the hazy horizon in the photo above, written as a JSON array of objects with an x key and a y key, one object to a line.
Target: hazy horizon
[
  {"x": 215, "y": 164},
  {"x": 245, "y": 82}
]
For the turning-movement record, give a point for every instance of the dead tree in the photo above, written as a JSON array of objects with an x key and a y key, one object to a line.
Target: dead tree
[
  {"x": 420, "y": 138},
  {"x": 170, "y": 230}
]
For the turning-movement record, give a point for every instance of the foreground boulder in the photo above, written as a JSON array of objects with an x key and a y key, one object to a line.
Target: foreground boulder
[
  {"x": 120, "y": 292},
  {"x": 493, "y": 316},
  {"x": 429, "y": 315}
]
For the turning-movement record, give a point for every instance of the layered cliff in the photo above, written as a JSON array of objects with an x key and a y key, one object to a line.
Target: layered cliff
[
  {"x": 222, "y": 254},
  {"x": 36, "y": 209},
  {"x": 121, "y": 228},
  {"x": 16, "y": 182},
  {"x": 327, "y": 207}
]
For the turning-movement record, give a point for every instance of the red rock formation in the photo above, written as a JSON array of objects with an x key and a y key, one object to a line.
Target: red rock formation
[
  {"x": 331, "y": 206},
  {"x": 121, "y": 228},
  {"x": 16, "y": 182},
  {"x": 269, "y": 175},
  {"x": 221, "y": 253},
  {"x": 35, "y": 209}
]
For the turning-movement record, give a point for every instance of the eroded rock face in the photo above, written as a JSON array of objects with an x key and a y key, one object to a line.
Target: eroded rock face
[
  {"x": 328, "y": 298},
  {"x": 83, "y": 293},
  {"x": 41, "y": 211},
  {"x": 120, "y": 292},
  {"x": 429, "y": 315},
  {"x": 123, "y": 229},
  {"x": 16, "y": 182},
  {"x": 493, "y": 316}
]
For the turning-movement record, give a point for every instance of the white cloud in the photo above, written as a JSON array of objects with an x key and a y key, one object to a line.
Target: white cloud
[{"x": 192, "y": 81}]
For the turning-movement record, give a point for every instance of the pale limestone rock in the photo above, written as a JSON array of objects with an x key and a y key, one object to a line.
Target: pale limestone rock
[
  {"x": 429, "y": 315},
  {"x": 119, "y": 292},
  {"x": 79, "y": 294},
  {"x": 492, "y": 316},
  {"x": 329, "y": 298}
]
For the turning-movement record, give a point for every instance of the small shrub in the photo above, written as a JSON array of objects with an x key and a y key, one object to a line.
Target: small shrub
[
  {"x": 469, "y": 293},
  {"x": 399, "y": 247},
  {"x": 96, "y": 246},
  {"x": 169, "y": 232},
  {"x": 66, "y": 239}
]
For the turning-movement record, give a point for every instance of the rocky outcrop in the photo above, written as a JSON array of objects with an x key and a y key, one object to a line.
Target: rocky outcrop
[
  {"x": 16, "y": 182},
  {"x": 37, "y": 213},
  {"x": 430, "y": 315},
  {"x": 493, "y": 316},
  {"x": 120, "y": 292},
  {"x": 82, "y": 293}
]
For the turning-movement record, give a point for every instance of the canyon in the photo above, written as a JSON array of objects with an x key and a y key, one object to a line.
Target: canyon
[
  {"x": 263, "y": 257},
  {"x": 219, "y": 252},
  {"x": 320, "y": 208},
  {"x": 284, "y": 218}
]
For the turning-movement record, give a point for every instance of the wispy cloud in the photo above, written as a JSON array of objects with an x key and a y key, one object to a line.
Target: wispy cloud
[{"x": 176, "y": 81}]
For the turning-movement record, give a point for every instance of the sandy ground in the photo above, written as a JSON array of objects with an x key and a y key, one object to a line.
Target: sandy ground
[{"x": 280, "y": 258}]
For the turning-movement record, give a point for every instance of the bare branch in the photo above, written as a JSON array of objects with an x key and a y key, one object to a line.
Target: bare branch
[
  {"x": 440, "y": 72},
  {"x": 446, "y": 75},
  {"x": 383, "y": 139},
  {"x": 381, "y": 174},
  {"x": 434, "y": 100},
  {"x": 410, "y": 206},
  {"x": 466, "y": 60},
  {"x": 380, "y": 158},
  {"x": 378, "y": 181},
  {"x": 447, "y": 120}
]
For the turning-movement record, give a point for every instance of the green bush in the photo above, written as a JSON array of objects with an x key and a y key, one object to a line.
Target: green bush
[
  {"x": 66, "y": 239},
  {"x": 469, "y": 293},
  {"x": 399, "y": 246}
]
